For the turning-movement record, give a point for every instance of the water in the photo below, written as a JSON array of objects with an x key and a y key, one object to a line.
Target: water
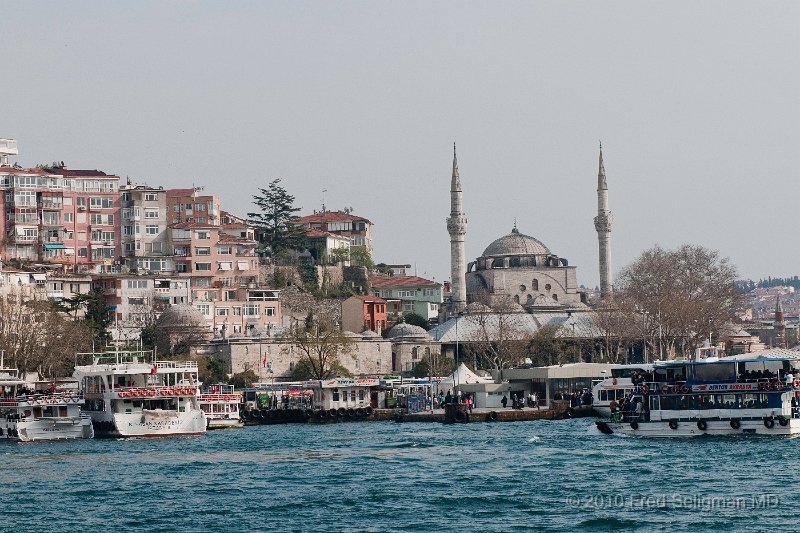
[{"x": 540, "y": 475}]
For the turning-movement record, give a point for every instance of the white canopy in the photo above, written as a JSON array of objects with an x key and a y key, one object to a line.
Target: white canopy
[{"x": 462, "y": 376}]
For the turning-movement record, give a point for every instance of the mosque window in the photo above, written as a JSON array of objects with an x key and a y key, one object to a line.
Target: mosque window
[
  {"x": 555, "y": 297},
  {"x": 547, "y": 287},
  {"x": 522, "y": 288},
  {"x": 535, "y": 285},
  {"x": 529, "y": 300},
  {"x": 516, "y": 298}
]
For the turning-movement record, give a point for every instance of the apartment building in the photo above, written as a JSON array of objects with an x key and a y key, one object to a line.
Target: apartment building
[
  {"x": 342, "y": 223},
  {"x": 61, "y": 215},
  {"x": 409, "y": 294},
  {"x": 146, "y": 244},
  {"x": 187, "y": 205}
]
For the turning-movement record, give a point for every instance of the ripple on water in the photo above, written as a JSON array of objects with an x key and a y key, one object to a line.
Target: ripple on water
[{"x": 540, "y": 475}]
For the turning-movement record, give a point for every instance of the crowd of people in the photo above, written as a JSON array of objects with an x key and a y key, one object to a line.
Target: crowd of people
[{"x": 576, "y": 398}]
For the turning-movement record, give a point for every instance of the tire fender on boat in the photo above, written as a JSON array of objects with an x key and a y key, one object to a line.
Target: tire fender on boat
[
  {"x": 735, "y": 423},
  {"x": 702, "y": 425},
  {"x": 769, "y": 422},
  {"x": 673, "y": 424}
]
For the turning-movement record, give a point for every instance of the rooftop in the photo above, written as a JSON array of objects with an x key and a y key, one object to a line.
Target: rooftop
[
  {"x": 332, "y": 216},
  {"x": 401, "y": 281}
]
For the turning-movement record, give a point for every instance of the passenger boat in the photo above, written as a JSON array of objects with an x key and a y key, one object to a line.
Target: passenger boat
[
  {"x": 127, "y": 394},
  {"x": 221, "y": 405},
  {"x": 755, "y": 393},
  {"x": 40, "y": 416},
  {"x": 607, "y": 392}
]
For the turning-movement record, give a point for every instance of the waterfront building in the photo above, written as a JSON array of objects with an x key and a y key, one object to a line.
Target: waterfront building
[
  {"x": 411, "y": 345},
  {"x": 408, "y": 294},
  {"x": 146, "y": 242},
  {"x": 61, "y": 215},
  {"x": 344, "y": 223},
  {"x": 65, "y": 286},
  {"x": 364, "y": 313},
  {"x": 187, "y": 205}
]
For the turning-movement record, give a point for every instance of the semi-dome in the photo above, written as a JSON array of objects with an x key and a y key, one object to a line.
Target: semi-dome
[
  {"x": 516, "y": 243},
  {"x": 406, "y": 330},
  {"x": 181, "y": 315}
]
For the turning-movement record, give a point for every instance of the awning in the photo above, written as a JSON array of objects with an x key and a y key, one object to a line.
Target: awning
[
  {"x": 58, "y": 246},
  {"x": 39, "y": 277}
]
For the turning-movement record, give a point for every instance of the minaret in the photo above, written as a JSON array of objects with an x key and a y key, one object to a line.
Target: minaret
[
  {"x": 457, "y": 228},
  {"x": 780, "y": 325},
  {"x": 602, "y": 223}
]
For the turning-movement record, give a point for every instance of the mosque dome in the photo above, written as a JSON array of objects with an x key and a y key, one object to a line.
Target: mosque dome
[
  {"x": 181, "y": 315},
  {"x": 406, "y": 330},
  {"x": 516, "y": 243}
]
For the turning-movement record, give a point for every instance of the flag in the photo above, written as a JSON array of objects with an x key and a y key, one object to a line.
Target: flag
[{"x": 154, "y": 370}]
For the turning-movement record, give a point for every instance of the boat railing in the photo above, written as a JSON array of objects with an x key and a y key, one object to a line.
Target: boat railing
[{"x": 43, "y": 399}]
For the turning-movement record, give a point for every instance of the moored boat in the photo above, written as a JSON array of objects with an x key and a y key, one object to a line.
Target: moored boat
[
  {"x": 129, "y": 395},
  {"x": 607, "y": 392},
  {"x": 221, "y": 405},
  {"x": 755, "y": 393},
  {"x": 27, "y": 417}
]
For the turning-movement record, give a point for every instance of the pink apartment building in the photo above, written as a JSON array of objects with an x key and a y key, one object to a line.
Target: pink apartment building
[{"x": 61, "y": 215}]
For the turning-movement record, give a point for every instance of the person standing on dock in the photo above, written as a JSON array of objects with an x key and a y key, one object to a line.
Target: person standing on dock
[{"x": 504, "y": 401}]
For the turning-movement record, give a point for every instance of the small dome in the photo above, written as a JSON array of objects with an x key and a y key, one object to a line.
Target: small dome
[
  {"x": 407, "y": 330},
  {"x": 543, "y": 300},
  {"x": 181, "y": 315},
  {"x": 516, "y": 243}
]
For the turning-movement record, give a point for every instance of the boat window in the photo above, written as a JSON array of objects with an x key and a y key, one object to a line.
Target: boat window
[
  {"x": 603, "y": 395},
  {"x": 335, "y": 395},
  {"x": 655, "y": 403},
  {"x": 714, "y": 372}
]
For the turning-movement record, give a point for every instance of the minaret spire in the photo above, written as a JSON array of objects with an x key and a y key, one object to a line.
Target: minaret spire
[
  {"x": 602, "y": 223},
  {"x": 457, "y": 228}
]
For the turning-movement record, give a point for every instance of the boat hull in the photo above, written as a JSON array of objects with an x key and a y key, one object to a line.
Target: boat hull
[
  {"x": 47, "y": 429},
  {"x": 690, "y": 428},
  {"x": 150, "y": 424},
  {"x": 224, "y": 423}
]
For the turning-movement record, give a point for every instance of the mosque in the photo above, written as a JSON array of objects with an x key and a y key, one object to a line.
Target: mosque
[{"x": 520, "y": 268}]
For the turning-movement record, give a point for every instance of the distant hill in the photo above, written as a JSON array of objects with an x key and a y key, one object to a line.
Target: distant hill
[{"x": 747, "y": 285}]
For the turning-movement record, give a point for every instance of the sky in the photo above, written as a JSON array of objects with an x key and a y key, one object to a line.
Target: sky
[{"x": 696, "y": 105}]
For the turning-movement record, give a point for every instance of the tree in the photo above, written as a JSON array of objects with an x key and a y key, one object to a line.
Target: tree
[
  {"x": 321, "y": 345},
  {"x": 211, "y": 370},
  {"x": 361, "y": 257},
  {"x": 275, "y": 221},
  {"x": 681, "y": 296},
  {"x": 97, "y": 317},
  {"x": 434, "y": 365},
  {"x": 546, "y": 347},
  {"x": 416, "y": 320},
  {"x": 244, "y": 380},
  {"x": 499, "y": 339}
]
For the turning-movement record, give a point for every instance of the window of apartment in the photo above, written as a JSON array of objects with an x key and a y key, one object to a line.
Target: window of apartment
[
  {"x": 80, "y": 201},
  {"x": 202, "y": 267},
  {"x": 199, "y": 207},
  {"x": 225, "y": 265},
  {"x": 75, "y": 288},
  {"x": 405, "y": 294},
  {"x": 101, "y": 202},
  {"x": 188, "y": 207},
  {"x": 81, "y": 218},
  {"x": 224, "y": 250},
  {"x": 127, "y": 230},
  {"x": 25, "y": 198},
  {"x": 200, "y": 220},
  {"x": 429, "y": 292},
  {"x": 67, "y": 200},
  {"x": 126, "y": 213},
  {"x": 230, "y": 295},
  {"x": 408, "y": 307},
  {"x": 181, "y": 267},
  {"x": 151, "y": 197},
  {"x": 358, "y": 241},
  {"x": 203, "y": 235},
  {"x": 126, "y": 197},
  {"x": 151, "y": 213},
  {"x": 102, "y": 219},
  {"x": 251, "y": 310},
  {"x": 68, "y": 235},
  {"x": 57, "y": 286},
  {"x": 202, "y": 251},
  {"x": 50, "y": 218},
  {"x": 270, "y": 311},
  {"x": 68, "y": 218},
  {"x": 237, "y": 311},
  {"x": 176, "y": 208},
  {"x": 204, "y": 308},
  {"x": 137, "y": 283},
  {"x": 222, "y": 311},
  {"x": 434, "y": 307},
  {"x": 151, "y": 230},
  {"x": 155, "y": 247},
  {"x": 202, "y": 282},
  {"x": 137, "y": 300},
  {"x": 137, "y": 229}
]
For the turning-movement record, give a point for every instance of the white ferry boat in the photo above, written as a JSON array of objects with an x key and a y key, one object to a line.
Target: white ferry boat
[
  {"x": 128, "y": 395},
  {"x": 756, "y": 393},
  {"x": 607, "y": 393},
  {"x": 33, "y": 417},
  {"x": 221, "y": 405}
]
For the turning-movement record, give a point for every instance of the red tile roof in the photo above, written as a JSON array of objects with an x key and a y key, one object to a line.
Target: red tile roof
[
  {"x": 401, "y": 281},
  {"x": 312, "y": 233},
  {"x": 179, "y": 192},
  {"x": 332, "y": 216},
  {"x": 64, "y": 171}
]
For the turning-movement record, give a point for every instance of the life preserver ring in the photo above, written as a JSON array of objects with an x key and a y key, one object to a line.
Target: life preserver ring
[
  {"x": 735, "y": 423},
  {"x": 778, "y": 385},
  {"x": 796, "y": 383},
  {"x": 702, "y": 425},
  {"x": 645, "y": 389},
  {"x": 673, "y": 424},
  {"x": 783, "y": 421},
  {"x": 368, "y": 410},
  {"x": 685, "y": 389},
  {"x": 634, "y": 425},
  {"x": 459, "y": 416},
  {"x": 769, "y": 423},
  {"x": 761, "y": 385},
  {"x": 492, "y": 416}
]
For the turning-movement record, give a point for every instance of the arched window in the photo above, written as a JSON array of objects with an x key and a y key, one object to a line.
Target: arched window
[
  {"x": 529, "y": 301},
  {"x": 555, "y": 297},
  {"x": 547, "y": 287},
  {"x": 516, "y": 298},
  {"x": 535, "y": 285}
]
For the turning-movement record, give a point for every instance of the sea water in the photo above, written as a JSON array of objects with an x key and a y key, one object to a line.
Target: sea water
[{"x": 384, "y": 476}]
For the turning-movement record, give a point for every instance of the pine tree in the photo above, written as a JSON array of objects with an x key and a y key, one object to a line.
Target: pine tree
[{"x": 275, "y": 223}]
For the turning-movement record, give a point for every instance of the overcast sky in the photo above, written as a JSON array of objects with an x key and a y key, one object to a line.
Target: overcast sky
[{"x": 697, "y": 105}]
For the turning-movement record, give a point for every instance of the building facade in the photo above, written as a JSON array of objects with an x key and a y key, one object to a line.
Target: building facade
[
  {"x": 364, "y": 313},
  {"x": 409, "y": 294},
  {"x": 357, "y": 229}
]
